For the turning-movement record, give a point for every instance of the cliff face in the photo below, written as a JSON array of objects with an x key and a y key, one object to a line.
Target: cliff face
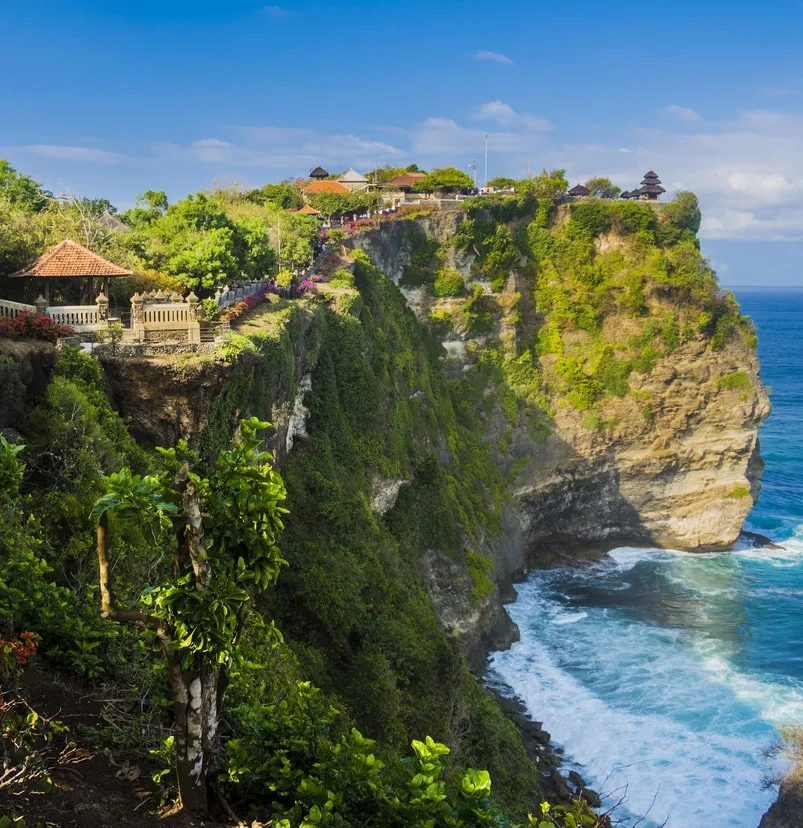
[
  {"x": 665, "y": 453},
  {"x": 685, "y": 480},
  {"x": 671, "y": 458}
]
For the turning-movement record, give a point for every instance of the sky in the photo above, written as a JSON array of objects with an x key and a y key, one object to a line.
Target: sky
[{"x": 111, "y": 99}]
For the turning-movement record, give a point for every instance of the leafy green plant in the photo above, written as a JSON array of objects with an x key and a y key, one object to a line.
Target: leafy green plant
[
  {"x": 448, "y": 283},
  {"x": 224, "y": 521}
]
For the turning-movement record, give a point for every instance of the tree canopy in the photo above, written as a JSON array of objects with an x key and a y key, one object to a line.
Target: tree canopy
[
  {"x": 602, "y": 188},
  {"x": 546, "y": 186},
  {"x": 444, "y": 180}
]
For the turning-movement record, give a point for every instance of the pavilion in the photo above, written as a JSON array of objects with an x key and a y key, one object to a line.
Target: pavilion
[
  {"x": 651, "y": 186},
  {"x": 319, "y": 173},
  {"x": 70, "y": 260},
  {"x": 307, "y": 210},
  {"x": 579, "y": 191}
]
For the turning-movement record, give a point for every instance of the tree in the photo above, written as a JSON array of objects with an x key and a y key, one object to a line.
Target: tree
[
  {"x": 284, "y": 195},
  {"x": 602, "y": 188},
  {"x": 683, "y": 211},
  {"x": 444, "y": 180},
  {"x": 546, "y": 186},
  {"x": 21, "y": 190},
  {"x": 336, "y": 204},
  {"x": 501, "y": 182},
  {"x": 150, "y": 206},
  {"x": 220, "y": 524}
]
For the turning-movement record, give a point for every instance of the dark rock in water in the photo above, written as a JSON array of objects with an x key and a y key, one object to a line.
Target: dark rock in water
[
  {"x": 787, "y": 810},
  {"x": 591, "y": 797},
  {"x": 560, "y": 786},
  {"x": 576, "y": 780},
  {"x": 757, "y": 541}
]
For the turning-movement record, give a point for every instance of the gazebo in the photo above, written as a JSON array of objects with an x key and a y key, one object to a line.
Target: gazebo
[
  {"x": 70, "y": 260},
  {"x": 651, "y": 186},
  {"x": 319, "y": 173},
  {"x": 307, "y": 210},
  {"x": 579, "y": 191}
]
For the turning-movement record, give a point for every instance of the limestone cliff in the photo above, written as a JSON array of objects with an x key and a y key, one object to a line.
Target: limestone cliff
[
  {"x": 670, "y": 457},
  {"x": 619, "y": 406}
]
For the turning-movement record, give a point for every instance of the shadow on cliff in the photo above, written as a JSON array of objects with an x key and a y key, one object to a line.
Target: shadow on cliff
[{"x": 574, "y": 509}]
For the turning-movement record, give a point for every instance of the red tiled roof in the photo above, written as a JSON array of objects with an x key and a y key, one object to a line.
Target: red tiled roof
[
  {"x": 407, "y": 179},
  {"x": 307, "y": 210},
  {"x": 70, "y": 259},
  {"x": 326, "y": 187}
]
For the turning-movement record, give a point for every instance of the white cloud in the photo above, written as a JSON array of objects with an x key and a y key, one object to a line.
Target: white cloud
[
  {"x": 684, "y": 113},
  {"x": 87, "y": 155},
  {"x": 273, "y": 11},
  {"x": 747, "y": 172},
  {"x": 497, "y": 57},
  {"x": 777, "y": 91},
  {"x": 506, "y": 116},
  {"x": 281, "y": 148}
]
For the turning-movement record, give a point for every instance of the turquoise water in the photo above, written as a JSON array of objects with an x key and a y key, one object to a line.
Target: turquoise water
[{"x": 667, "y": 674}]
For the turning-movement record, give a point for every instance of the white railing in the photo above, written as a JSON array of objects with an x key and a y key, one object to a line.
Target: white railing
[
  {"x": 167, "y": 313},
  {"x": 75, "y": 316},
  {"x": 11, "y": 310},
  {"x": 228, "y": 296}
]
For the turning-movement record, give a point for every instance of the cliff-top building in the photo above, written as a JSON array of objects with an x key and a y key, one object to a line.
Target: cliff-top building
[
  {"x": 579, "y": 191},
  {"x": 650, "y": 186}
]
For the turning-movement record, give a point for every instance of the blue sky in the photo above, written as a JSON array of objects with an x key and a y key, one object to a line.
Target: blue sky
[{"x": 112, "y": 99}]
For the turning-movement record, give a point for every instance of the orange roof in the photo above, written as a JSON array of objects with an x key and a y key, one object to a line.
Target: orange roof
[
  {"x": 326, "y": 187},
  {"x": 70, "y": 259},
  {"x": 307, "y": 210}
]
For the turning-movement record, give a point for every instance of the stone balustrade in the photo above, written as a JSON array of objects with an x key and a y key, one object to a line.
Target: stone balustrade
[
  {"x": 11, "y": 310},
  {"x": 154, "y": 319}
]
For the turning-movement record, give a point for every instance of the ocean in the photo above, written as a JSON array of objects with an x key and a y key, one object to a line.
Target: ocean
[{"x": 667, "y": 675}]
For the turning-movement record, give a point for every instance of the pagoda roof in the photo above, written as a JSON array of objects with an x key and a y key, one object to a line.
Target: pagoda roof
[
  {"x": 319, "y": 172},
  {"x": 625, "y": 194},
  {"x": 651, "y": 189},
  {"x": 651, "y": 177},
  {"x": 351, "y": 176},
  {"x": 326, "y": 187},
  {"x": 68, "y": 259},
  {"x": 579, "y": 190}
]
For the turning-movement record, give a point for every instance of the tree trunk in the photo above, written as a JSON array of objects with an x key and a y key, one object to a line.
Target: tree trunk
[{"x": 196, "y": 703}]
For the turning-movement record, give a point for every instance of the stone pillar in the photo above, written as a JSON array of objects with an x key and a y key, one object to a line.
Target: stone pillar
[
  {"x": 218, "y": 296},
  {"x": 193, "y": 326},
  {"x": 41, "y": 304},
  {"x": 103, "y": 307},
  {"x": 137, "y": 319}
]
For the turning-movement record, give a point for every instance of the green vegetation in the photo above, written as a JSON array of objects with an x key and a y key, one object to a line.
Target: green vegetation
[
  {"x": 737, "y": 381},
  {"x": 480, "y": 567},
  {"x": 602, "y": 188},
  {"x": 201, "y": 242},
  {"x": 335, "y": 204},
  {"x": 444, "y": 180},
  {"x": 448, "y": 283},
  {"x": 426, "y": 258},
  {"x": 739, "y": 492}
]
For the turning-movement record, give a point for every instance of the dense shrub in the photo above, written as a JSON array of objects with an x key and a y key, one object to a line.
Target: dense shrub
[
  {"x": 448, "y": 283},
  {"x": 31, "y": 325}
]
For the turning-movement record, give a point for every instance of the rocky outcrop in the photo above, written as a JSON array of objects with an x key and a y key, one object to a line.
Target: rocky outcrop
[
  {"x": 25, "y": 367},
  {"x": 682, "y": 475},
  {"x": 787, "y": 810},
  {"x": 676, "y": 464}
]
